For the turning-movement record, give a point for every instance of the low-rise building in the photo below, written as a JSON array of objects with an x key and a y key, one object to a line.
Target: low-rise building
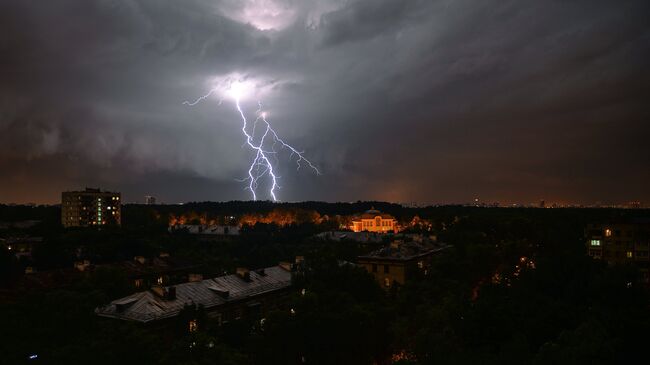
[
  {"x": 398, "y": 261},
  {"x": 145, "y": 272},
  {"x": 374, "y": 221},
  {"x": 224, "y": 298},
  {"x": 21, "y": 246}
]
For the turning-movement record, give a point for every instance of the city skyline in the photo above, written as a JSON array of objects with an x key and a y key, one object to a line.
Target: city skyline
[{"x": 433, "y": 102}]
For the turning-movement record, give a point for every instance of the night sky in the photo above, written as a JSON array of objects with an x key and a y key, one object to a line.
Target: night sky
[{"x": 406, "y": 101}]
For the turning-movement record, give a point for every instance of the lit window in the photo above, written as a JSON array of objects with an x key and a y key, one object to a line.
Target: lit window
[
  {"x": 629, "y": 254},
  {"x": 193, "y": 325},
  {"x": 595, "y": 242},
  {"x": 160, "y": 280},
  {"x": 387, "y": 282},
  {"x": 608, "y": 232}
]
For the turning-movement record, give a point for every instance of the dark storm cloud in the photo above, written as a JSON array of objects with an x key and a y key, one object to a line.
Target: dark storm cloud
[{"x": 435, "y": 101}]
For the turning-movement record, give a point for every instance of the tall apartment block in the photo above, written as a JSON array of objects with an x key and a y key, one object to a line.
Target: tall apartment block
[
  {"x": 621, "y": 243},
  {"x": 90, "y": 208}
]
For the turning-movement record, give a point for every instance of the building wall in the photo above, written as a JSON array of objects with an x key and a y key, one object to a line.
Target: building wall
[
  {"x": 255, "y": 308},
  {"x": 619, "y": 244},
  {"x": 90, "y": 208},
  {"x": 396, "y": 271},
  {"x": 377, "y": 224}
]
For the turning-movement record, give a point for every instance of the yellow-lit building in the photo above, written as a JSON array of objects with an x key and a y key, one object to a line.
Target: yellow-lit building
[
  {"x": 374, "y": 221},
  {"x": 90, "y": 208}
]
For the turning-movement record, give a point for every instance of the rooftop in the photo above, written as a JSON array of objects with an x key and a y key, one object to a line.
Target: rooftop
[
  {"x": 372, "y": 213},
  {"x": 140, "y": 266},
  {"x": 148, "y": 306},
  {"x": 404, "y": 251}
]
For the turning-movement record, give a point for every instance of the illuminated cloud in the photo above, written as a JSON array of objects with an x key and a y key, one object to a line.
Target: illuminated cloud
[
  {"x": 262, "y": 14},
  {"x": 418, "y": 100}
]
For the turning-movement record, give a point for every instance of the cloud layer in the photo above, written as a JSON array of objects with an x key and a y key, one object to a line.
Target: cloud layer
[{"x": 430, "y": 101}]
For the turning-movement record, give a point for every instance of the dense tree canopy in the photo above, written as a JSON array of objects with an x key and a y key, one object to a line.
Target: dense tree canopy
[{"x": 516, "y": 287}]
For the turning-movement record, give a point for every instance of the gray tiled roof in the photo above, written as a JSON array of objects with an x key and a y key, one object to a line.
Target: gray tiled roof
[
  {"x": 404, "y": 251},
  {"x": 147, "y": 306}
]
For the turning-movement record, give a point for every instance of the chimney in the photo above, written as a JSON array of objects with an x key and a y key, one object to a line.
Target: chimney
[
  {"x": 224, "y": 293},
  {"x": 244, "y": 273},
  {"x": 195, "y": 277},
  {"x": 168, "y": 293},
  {"x": 286, "y": 265},
  {"x": 158, "y": 290},
  {"x": 79, "y": 265}
]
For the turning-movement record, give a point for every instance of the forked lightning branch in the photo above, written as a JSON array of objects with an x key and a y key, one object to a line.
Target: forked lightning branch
[{"x": 262, "y": 140}]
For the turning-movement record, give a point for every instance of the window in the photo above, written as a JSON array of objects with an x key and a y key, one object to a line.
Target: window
[
  {"x": 629, "y": 254},
  {"x": 421, "y": 264},
  {"x": 608, "y": 232},
  {"x": 374, "y": 267},
  {"x": 193, "y": 326},
  {"x": 386, "y": 269},
  {"x": 595, "y": 242},
  {"x": 387, "y": 282}
]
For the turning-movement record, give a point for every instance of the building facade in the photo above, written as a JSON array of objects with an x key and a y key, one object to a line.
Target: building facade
[
  {"x": 374, "y": 221},
  {"x": 90, "y": 208},
  {"x": 394, "y": 264},
  {"x": 620, "y": 243}
]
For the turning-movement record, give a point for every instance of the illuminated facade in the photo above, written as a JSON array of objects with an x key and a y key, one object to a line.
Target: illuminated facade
[
  {"x": 374, "y": 221},
  {"x": 90, "y": 208},
  {"x": 620, "y": 243}
]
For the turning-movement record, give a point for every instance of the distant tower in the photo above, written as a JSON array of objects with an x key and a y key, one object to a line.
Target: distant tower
[{"x": 150, "y": 200}]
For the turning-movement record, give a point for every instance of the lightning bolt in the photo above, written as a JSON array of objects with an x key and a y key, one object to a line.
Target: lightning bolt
[{"x": 261, "y": 165}]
